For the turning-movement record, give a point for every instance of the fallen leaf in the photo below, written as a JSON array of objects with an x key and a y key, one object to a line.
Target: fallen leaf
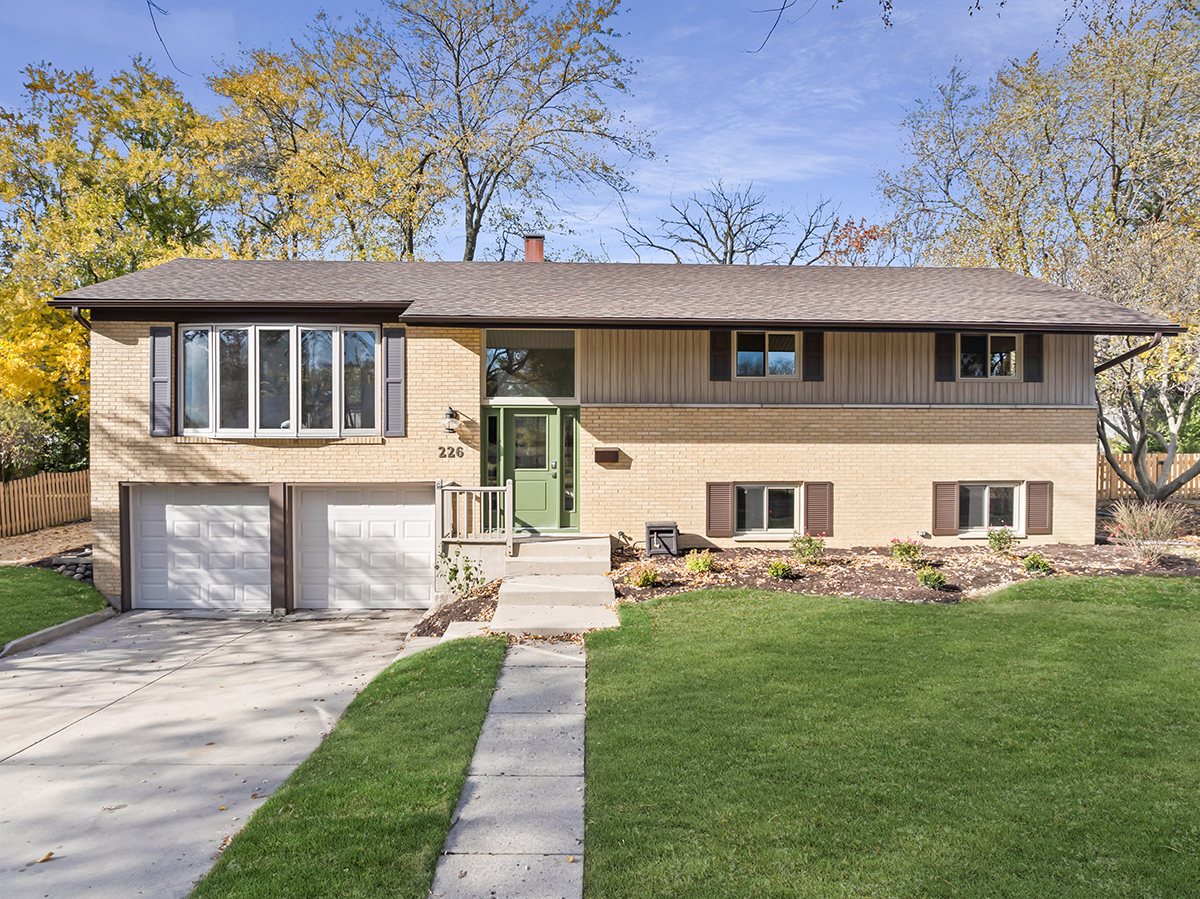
[
  {"x": 45, "y": 858},
  {"x": 221, "y": 809}
]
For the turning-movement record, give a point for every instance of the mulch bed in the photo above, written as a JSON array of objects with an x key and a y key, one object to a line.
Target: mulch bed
[
  {"x": 871, "y": 573},
  {"x": 478, "y": 605}
]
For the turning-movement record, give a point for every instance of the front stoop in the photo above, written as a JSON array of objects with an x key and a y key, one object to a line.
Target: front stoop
[{"x": 556, "y": 586}]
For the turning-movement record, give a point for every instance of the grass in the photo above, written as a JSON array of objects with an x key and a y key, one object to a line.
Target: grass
[
  {"x": 36, "y": 598},
  {"x": 366, "y": 815},
  {"x": 747, "y": 743}
]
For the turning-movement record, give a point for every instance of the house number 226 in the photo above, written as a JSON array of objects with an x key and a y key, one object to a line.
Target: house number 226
[{"x": 450, "y": 452}]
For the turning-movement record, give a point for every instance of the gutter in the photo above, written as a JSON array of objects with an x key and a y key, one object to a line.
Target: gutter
[
  {"x": 77, "y": 314},
  {"x": 1136, "y": 351}
]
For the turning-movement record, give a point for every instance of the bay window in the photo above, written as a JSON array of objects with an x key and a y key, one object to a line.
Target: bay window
[{"x": 278, "y": 381}]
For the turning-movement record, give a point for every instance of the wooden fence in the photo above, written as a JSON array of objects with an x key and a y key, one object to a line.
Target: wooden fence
[
  {"x": 44, "y": 500},
  {"x": 1109, "y": 486}
]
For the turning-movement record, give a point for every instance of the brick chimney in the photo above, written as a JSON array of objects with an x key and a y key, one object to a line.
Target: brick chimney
[{"x": 535, "y": 248}]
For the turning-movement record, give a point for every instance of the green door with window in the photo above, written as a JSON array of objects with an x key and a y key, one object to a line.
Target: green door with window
[{"x": 537, "y": 448}]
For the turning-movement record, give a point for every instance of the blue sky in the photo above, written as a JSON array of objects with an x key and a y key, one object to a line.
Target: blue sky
[{"x": 814, "y": 114}]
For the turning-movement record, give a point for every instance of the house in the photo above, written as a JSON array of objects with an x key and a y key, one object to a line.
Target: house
[{"x": 300, "y": 434}]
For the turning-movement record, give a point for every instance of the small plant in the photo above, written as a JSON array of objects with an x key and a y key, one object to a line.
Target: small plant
[
  {"x": 1001, "y": 540},
  {"x": 1144, "y": 528},
  {"x": 1036, "y": 563},
  {"x": 699, "y": 561},
  {"x": 907, "y": 550},
  {"x": 932, "y": 578},
  {"x": 459, "y": 573},
  {"x": 780, "y": 569},
  {"x": 809, "y": 548},
  {"x": 642, "y": 575}
]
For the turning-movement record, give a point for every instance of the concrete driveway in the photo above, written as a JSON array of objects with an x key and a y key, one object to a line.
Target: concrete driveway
[{"x": 131, "y": 752}]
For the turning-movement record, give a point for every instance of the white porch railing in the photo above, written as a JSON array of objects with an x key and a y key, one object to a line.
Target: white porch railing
[{"x": 474, "y": 515}]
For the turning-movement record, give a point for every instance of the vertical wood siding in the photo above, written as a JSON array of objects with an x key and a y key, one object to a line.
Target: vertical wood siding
[{"x": 642, "y": 366}]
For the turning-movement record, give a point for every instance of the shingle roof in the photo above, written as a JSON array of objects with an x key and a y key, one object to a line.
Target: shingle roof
[{"x": 635, "y": 295}]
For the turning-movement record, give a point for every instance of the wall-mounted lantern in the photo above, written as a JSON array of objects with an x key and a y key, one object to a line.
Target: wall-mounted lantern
[{"x": 451, "y": 422}]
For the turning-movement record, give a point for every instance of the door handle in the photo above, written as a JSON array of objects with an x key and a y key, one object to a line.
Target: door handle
[{"x": 554, "y": 474}]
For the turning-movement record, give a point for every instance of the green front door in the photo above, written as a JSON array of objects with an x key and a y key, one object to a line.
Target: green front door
[{"x": 537, "y": 448}]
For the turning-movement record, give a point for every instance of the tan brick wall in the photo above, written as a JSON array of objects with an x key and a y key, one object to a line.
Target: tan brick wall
[
  {"x": 442, "y": 368},
  {"x": 882, "y": 463}
]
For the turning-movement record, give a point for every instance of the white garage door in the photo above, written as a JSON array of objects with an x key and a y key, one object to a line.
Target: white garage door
[
  {"x": 201, "y": 548},
  {"x": 364, "y": 547}
]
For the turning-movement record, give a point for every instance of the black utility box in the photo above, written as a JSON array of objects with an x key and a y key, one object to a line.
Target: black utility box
[{"x": 662, "y": 538}]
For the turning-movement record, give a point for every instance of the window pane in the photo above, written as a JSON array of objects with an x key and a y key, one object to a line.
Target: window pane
[
  {"x": 316, "y": 380},
  {"x": 529, "y": 444},
  {"x": 274, "y": 380},
  {"x": 492, "y": 474},
  {"x": 234, "y": 378},
  {"x": 531, "y": 363},
  {"x": 751, "y": 354},
  {"x": 974, "y": 357},
  {"x": 195, "y": 379},
  {"x": 1000, "y": 507},
  {"x": 970, "y": 506},
  {"x": 358, "y": 379},
  {"x": 1004, "y": 357},
  {"x": 781, "y": 354},
  {"x": 749, "y": 502},
  {"x": 568, "y": 465},
  {"x": 781, "y": 508}
]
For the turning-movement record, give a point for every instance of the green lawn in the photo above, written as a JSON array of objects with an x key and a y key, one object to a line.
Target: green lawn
[
  {"x": 34, "y": 598},
  {"x": 744, "y": 743},
  {"x": 367, "y": 813}
]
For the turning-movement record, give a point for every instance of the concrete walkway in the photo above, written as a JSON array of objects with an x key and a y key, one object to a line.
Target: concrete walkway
[{"x": 518, "y": 828}]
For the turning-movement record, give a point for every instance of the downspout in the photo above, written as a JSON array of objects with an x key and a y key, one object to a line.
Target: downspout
[
  {"x": 78, "y": 316},
  {"x": 1136, "y": 351}
]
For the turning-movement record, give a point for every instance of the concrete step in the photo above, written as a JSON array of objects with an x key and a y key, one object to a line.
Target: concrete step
[
  {"x": 557, "y": 589},
  {"x": 522, "y": 567},
  {"x": 562, "y": 547},
  {"x": 550, "y": 620}
]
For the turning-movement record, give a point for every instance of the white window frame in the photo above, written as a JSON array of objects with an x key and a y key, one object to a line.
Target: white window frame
[
  {"x": 1018, "y": 525},
  {"x": 1018, "y": 353},
  {"x": 486, "y": 400},
  {"x": 768, "y": 485},
  {"x": 797, "y": 357},
  {"x": 295, "y": 431}
]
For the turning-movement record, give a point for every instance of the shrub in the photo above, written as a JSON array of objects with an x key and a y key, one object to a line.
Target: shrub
[
  {"x": 907, "y": 550},
  {"x": 809, "y": 548},
  {"x": 699, "y": 561},
  {"x": 931, "y": 578},
  {"x": 460, "y": 573},
  {"x": 780, "y": 569},
  {"x": 1143, "y": 528},
  {"x": 642, "y": 575},
  {"x": 1001, "y": 540},
  {"x": 1037, "y": 564}
]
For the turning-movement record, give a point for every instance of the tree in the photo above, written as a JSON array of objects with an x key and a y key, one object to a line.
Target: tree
[
  {"x": 23, "y": 437},
  {"x": 856, "y": 243},
  {"x": 730, "y": 225},
  {"x": 1085, "y": 173},
  {"x": 95, "y": 181}
]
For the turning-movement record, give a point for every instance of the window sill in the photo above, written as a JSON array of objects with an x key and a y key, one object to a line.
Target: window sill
[
  {"x": 982, "y": 535},
  {"x": 281, "y": 441},
  {"x": 764, "y": 537}
]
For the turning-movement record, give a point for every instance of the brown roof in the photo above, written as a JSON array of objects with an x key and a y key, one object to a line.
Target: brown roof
[{"x": 477, "y": 294}]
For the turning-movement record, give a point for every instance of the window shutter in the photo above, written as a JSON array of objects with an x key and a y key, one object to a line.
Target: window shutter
[
  {"x": 394, "y": 424},
  {"x": 720, "y": 355},
  {"x": 161, "y": 424},
  {"x": 944, "y": 363},
  {"x": 1033, "y": 367},
  {"x": 945, "y": 508},
  {"x": 720, "y": 510},
  {"x": 1039, "y": 507},
  {"x": 818, "y": 508},
  {"x": 814, "y": 355}
]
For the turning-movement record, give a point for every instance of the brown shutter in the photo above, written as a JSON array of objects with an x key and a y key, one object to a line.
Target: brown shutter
[
  {"x": 720, "y": 355},
  {"x": 944, "y": 363},
  {"x": 161, "y": 424},
  {"x": 945, "y": 508},
  {"x": 1033, "y": 366},
  {"x": 1039, "y": 507},
  {"x": 814, "y": 355},
  {"x": 818, "y": 508},
  {"x": 720, "y": 510},
  {"x": 394, "y": 424}
]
